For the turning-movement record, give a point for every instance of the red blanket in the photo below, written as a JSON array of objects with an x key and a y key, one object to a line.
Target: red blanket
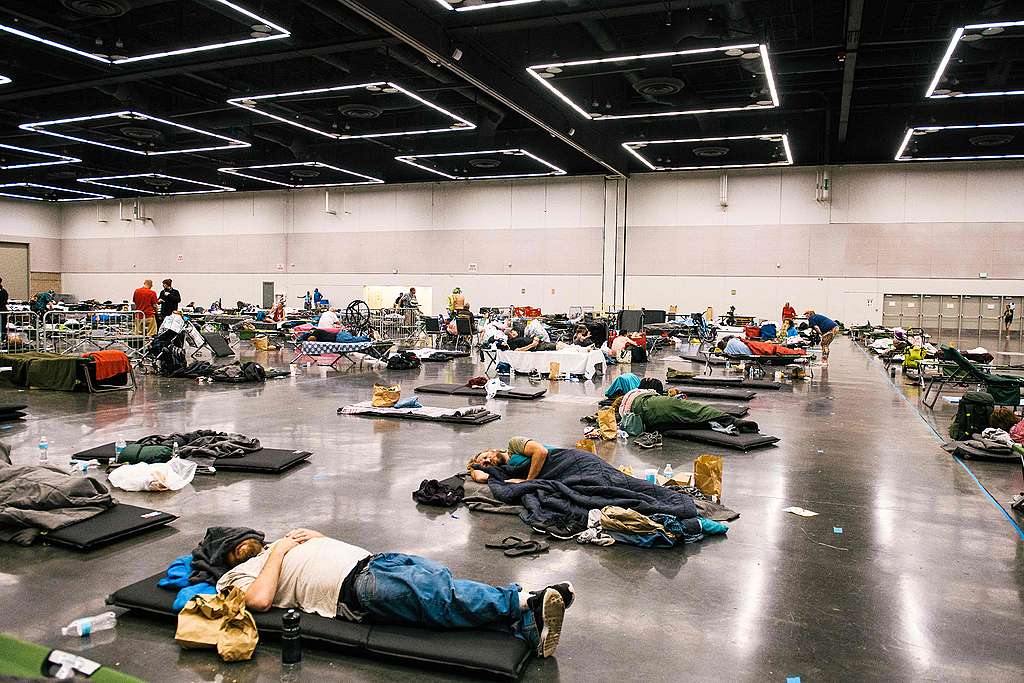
[
  {"x": 767, "y": 349},
  {"x": 109, "y": 363}
]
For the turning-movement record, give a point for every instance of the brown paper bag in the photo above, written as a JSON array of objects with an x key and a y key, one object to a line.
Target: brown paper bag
[
  {"x": 707, "y": 475},
  {"x": 607, "y": 424},
  {"x": 386, "y": 396},
  {"x": 199, "y": 621},
  {"x": 553, "y": 369},
  {"x": 587, "y": 445},
  {"x": 238, "y": 636}
]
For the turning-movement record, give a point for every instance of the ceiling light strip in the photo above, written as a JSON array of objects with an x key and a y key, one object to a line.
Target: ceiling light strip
[
  {"x": 632, "y": 147},
  {"x": 56, "y": 158},
  {"x": 945, "y": 61},
  {"x": 281, "y": 33},
  {"x": 244, "y": 103},
  {"x": 369, "y": 180},
  {"x": 536, "y": 70},
  {"x": 967, "y": 126},
  {"x": 490, "y": 5},
  {"x": 209, "y": 187},
  {"x": 4, "y": 80},
  {"x": 40, "y": 127},
  {"x": 555, "y": 170},
  {"x": 89, "y": 195}
]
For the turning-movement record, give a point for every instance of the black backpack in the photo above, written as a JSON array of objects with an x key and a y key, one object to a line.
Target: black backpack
[
  {"x": 172, "y": 360},
  {"x": 972, "y": 415},
  {"x": 403, "y": 361}
]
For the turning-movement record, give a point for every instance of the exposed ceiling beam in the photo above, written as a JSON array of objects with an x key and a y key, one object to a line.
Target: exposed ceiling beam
[
  {"x": 424, "y": 34},
  {"x": 854, "y": 11}
]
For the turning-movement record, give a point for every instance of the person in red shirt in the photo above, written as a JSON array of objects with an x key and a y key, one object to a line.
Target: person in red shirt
[
  {"x": 788, "y": 312},
  {"x": 145, "y": 303}
]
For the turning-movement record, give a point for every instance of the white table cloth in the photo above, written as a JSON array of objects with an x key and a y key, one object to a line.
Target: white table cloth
[{"x": 568, "y": 361}]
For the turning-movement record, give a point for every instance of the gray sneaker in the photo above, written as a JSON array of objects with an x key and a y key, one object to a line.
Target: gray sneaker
[
  {"x": 648, "y": 440},
  {"x": 548, "y": 613}
]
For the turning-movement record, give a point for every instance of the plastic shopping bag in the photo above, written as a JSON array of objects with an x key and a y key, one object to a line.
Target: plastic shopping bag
[
  {"x": 173, "y": 475},
  {"x": 492, "y": 387}
]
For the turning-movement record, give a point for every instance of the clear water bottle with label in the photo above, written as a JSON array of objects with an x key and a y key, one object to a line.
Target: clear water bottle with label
[
  {"x": 88, "y": 625},
  {"x": 174, "y": 450},
  {"x": 119, "y": 447},
  {"x": 669, "y": 471},
  {"x": 44, "y": 451}
]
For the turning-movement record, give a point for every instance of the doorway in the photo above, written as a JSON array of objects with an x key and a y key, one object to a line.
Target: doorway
[
  {"x": 14, "y": 269},
  {"x": 268, "y": 295}
]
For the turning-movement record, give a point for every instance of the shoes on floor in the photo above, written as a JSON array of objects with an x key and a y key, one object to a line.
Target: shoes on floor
[
  {"x": 648, "y": 440},
  {"x": 589, "y": 419},
  {"x": 548, "y": 612},
  {"x": 564, "y": 589}
]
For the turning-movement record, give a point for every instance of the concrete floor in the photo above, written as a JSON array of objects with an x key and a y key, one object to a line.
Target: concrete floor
[{"x": 925, "y": 582}]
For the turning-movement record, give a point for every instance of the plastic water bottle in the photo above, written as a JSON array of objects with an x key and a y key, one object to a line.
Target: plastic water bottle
[
  {"x": 119, "y": 447},
  {"x": 174, "y": 450},
  {"x": 87, "y": 625},
  {"x": 291, "y": 640},
  {"x": 44, "y": 451},
  {"x": 668, "y": 471}
]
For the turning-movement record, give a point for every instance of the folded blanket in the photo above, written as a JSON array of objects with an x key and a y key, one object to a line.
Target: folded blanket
[
  {"x": 205, "y": 446},
  {"x": 367, "y": 408},
  {"x": 109, "y": 363}
]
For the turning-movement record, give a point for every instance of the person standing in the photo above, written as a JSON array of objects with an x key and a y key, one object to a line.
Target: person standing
[
  {"x": 317, "y": 297},
  {"x": 170, "y": 300},
  {"x": 1007, "y": 314},
  {"x": 307, "y": 301},
  {"x": 145, "y": 304},
  {"x": 4, "y": 296},
  {"x": 826, "y": 327},
  {"x": 788, "y": 312}
]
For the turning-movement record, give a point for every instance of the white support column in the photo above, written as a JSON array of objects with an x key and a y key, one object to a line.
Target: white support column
[{"x": 613, "y": 267}]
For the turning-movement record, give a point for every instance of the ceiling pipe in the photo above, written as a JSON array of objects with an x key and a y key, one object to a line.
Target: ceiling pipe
[{"x": 855, "y": 10}]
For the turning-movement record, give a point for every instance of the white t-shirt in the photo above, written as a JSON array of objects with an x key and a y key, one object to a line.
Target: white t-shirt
[
  {"x": 311, "y": 574},
  {"x": 328, "y": 321}
]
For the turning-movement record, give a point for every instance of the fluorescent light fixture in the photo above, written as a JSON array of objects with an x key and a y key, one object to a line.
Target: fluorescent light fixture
[
  {"x": 918, "y": 130},
  {"x": 41, "y": 127},
  {"x": 783, "y": 138},
  {"x": 489, "y": 5},
  {"x": 4, "y": 80},
  {"x": 108, "y": 181},
  {"x": 256, "y": 19},
  {"x": 958, "y": 36},
  {"x": 538, "y": 69},
  {"x": 412, "y": 158},
  {"x": 251, "y": 103},
  {"x": 248, "y": 172},
  {"x": 8, "y": 190},
  {"x": 49, "y": 159}
]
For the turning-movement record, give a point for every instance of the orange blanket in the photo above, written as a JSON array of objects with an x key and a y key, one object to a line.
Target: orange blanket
[
  {"x": 767, "y": 349},
  {"x": 109, "y": 363}
]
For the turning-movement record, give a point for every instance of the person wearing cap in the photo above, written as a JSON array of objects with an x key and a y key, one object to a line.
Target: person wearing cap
[{"x": 826, "y": 327}]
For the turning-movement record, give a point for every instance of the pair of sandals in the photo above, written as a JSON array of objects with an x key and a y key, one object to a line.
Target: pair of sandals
[{"x": 517, "y": 547}]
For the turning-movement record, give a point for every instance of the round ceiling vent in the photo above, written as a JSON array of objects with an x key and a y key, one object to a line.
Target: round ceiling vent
[
  {"x": 157, "y": 182},
  {"x": 659, "y": 86},
  {"x": 991, "y": 140},
  {"x": 305, "y": 173},
  {"x": 711, "y": 151},
  {"x": 141, "y": 133},
  {"x": 485, "y": 163},
  {"x": 98, "y": 8},
  {"x": 360, "y": 111}
]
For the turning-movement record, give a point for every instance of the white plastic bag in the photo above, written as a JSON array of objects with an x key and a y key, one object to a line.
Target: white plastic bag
[
  {"x": 492, "y": 387},
  {"x": 173, "y": 475}
]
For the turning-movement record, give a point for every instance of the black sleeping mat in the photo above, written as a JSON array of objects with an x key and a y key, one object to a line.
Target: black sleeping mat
[
  {"x": 272, "y": 460},
  {"x": 729, "y": 408},
  {"x": 697, "y": 358},
  {"x": 743, "y": 383},
  {"x": 479, "y": 651},
  {"x": 473, "y": 420},
  {"x": 460, "y": 390},
  {"x": 693, "y": 391},
  {"x": 740, "y": 442},
  {"x": 114, "y": 524},
  {"x": 12, "y": 411},
  {"x": 969, "y": 452}
]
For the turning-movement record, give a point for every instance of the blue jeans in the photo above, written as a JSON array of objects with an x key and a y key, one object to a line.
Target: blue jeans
[{"x": 408, "y": 589}]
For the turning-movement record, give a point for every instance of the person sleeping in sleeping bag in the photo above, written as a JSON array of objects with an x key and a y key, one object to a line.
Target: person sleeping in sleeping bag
[
  {"x": 311, "y": 572},
  {"x": 732, "y": 346},
  {"x": 521, "y": 453},
  {"x": 661, "y": 413}
]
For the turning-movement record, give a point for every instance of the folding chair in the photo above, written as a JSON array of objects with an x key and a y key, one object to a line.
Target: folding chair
[
  {"x": 465, "y": 327},
  {"x": 432, "y": 328},
  {"x": 1004, "y": 389}
]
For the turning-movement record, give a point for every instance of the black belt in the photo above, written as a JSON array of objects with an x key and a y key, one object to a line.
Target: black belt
[{"x": 348, "y": 586}]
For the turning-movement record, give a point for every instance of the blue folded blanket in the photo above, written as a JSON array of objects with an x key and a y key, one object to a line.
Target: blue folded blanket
[{"x": 177, "y": 577}]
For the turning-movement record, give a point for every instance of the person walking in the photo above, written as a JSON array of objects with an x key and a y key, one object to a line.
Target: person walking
[
  {"x": 4, "y": 296},
  {"x": 826, "y": 327},
  {"x": 788, "y": 312},
  {"x": 1008, "y": 313},
  {"x": 145, "y": 301},
  {"x": 317, "y": 297},
  {"x": 170, "y": 300}
]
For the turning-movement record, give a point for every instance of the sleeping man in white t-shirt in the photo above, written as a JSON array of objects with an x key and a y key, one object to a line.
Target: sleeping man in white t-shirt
[{"x": 308, "y": 571}]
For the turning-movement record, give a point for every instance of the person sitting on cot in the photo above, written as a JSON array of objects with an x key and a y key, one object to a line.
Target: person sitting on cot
[
  {"x": 520, "y": 453},
  {"x": 582, "y": 336},
  {"x": 661, "y": 413},
  {"x": 311, "y": 572}
]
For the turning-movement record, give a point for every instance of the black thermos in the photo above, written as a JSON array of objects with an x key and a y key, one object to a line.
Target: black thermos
[{"x": 291, "y": 642}]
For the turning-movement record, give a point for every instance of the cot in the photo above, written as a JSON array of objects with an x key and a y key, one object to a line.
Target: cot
[{"x": 337, "y": 351}]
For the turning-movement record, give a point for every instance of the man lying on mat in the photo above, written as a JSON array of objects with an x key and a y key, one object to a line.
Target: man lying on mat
[
  {"x": 311, "y": 572},
  {"x": 519, "y": 453},
  {"x": 734, "y": 346}
]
